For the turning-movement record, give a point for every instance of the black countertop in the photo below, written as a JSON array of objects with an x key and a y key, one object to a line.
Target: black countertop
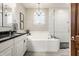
[{"x": 11, "y": 37}]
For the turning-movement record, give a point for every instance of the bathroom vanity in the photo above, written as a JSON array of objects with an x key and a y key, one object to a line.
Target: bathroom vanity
[
  {"x": 10, "y": 44},
  {"x": 13, "y": 46}
]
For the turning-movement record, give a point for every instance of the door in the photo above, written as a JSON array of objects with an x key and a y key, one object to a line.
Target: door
[
  {"x": 73, "y": 13},
  {"x": 74, "y": 29}
]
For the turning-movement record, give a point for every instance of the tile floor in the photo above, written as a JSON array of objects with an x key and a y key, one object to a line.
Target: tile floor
[{"x": 61, "y": 52}]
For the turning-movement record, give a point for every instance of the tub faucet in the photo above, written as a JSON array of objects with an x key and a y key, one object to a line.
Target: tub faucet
[{"x": 51, "y": 35}]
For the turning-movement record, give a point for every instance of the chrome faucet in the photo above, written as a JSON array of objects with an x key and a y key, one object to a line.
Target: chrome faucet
[
  {"x": 10, "y": 33},
  {"x": 50, "y": 36}
]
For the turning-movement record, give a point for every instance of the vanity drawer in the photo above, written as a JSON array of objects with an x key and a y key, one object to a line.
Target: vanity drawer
[{"x": 17, "y": 39}]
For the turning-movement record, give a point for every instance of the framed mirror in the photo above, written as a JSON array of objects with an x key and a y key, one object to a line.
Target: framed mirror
[
  {"x": 7, "y": 14},
  {"x": 21, "y": 21}
]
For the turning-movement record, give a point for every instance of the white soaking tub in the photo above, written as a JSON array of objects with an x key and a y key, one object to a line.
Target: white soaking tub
[{"x": 39, "y": 42}]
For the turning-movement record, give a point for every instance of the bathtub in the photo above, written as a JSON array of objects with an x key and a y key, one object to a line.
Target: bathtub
[{"x": 39, "y": 42}]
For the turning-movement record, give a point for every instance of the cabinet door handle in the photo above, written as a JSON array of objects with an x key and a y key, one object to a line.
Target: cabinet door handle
[{"x": 24, "y": 41}]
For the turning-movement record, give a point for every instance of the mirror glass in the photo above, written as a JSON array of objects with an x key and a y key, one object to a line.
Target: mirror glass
[
  {"x": 7, "y": 14},
  {"x": 0, "y": 14}
]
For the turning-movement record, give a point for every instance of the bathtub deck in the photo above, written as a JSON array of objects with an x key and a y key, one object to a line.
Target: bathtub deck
[{"x": 61, "y": 52}]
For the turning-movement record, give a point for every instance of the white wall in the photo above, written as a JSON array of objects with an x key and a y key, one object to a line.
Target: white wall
[
  {"x": 60, "y": 18},
  {"x": 19, "y": 8},
  {"x": 29, "y": 20}
]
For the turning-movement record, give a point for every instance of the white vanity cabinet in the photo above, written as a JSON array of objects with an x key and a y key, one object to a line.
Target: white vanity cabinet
[
  {"x": 7, "y": 52},
  {"x": 6, "y": 48},
  {"x": 19, "y": 48},
  {"x": 14, "y": 47},
  {"x": 20, "y": 45}
]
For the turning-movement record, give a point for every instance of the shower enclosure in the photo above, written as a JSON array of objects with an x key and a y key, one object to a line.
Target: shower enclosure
[{"x": 59, "y": 23}]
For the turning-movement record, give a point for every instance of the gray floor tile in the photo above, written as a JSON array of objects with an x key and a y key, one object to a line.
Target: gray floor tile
[{"x": 61, "y": 52}]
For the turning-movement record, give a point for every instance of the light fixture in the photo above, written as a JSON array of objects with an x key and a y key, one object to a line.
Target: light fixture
[
  {"x": 38, "y": 12},
  {"x": 6, "y": 11}
]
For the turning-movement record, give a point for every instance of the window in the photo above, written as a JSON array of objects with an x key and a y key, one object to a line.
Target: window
[{"x": 39, "y": 17}]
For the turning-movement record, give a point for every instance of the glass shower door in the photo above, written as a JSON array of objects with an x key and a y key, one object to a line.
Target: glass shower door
[{"x": 62, "y": 24}]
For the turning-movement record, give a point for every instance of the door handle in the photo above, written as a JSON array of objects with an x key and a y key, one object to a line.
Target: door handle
[{"x": 72, "y": 37}]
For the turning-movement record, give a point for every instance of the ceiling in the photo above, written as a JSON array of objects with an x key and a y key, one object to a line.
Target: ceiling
[{"x": 46, "y": 5}]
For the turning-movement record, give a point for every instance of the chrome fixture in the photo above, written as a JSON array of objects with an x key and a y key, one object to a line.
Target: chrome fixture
[
  {"x": 5, "y": 9},
  {"x": 38, "y": 9}
]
